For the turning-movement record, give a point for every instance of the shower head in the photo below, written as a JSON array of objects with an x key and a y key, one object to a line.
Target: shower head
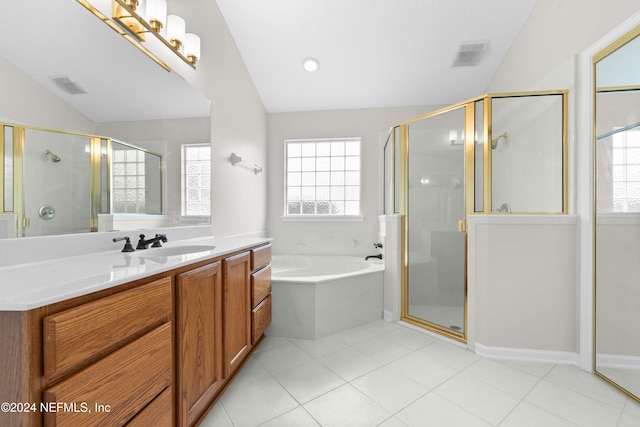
[
  {"x": 494, "y": 142},
  {"x": 54, "y": 157}
]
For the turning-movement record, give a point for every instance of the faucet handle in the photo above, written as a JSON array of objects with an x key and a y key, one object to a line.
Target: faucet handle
[
  {"x": 141, "y": 242},
  {"x": 127, "y": 243},
  {"x": 377, "y": 245},
  {"x": 158, "y": 238}
]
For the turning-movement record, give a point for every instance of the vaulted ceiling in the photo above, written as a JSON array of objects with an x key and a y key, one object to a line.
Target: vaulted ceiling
[{"x": 372, "y": 53}]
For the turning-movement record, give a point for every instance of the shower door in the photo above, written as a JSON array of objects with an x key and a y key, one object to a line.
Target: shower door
[{"x": 435, "y": 229}]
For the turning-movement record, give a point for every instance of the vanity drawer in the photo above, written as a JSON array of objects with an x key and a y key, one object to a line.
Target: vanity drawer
[
  {"x": 260, "y": 319},
  {"x": 80, "y": 333},
  {"x": 158, "y": 413},
  {"x": 260, "y": 257},
  {"x": 126, "y": 380},
  {"x": 260, "y": 285}
]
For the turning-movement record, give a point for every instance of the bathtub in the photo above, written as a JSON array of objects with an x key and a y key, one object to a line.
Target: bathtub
[{"x": 315, "y": 296}]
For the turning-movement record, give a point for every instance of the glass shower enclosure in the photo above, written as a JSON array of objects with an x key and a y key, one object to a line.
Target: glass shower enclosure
[{"x": 495, "y": 154}]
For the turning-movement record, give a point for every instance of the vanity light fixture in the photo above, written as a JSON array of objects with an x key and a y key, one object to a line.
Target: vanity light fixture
[
  {"x": 154, "y": 20},
  {"x": 310, "y": 64}
]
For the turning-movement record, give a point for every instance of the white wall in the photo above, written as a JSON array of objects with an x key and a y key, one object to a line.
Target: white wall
[
  {"x": 556, "y": 31},
  {"x": 238, "y": 124},
  {"x": 24, "y": 101},
  {"x": 352, "y": 238}
]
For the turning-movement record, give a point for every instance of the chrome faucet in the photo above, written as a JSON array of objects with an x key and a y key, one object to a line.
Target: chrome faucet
[{"x": 155, "y": 242}]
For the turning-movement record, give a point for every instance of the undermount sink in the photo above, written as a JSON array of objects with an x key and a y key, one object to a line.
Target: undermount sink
[{"x": 173, "y": 250}]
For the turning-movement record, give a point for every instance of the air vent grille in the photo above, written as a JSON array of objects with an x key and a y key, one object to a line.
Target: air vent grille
[
  {"x": 470, "y": 53},
  {"x": 68, "y": 85}
]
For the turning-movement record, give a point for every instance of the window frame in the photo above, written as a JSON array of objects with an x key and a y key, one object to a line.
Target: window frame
[
  {"x": 183, "y": 177},
  {"x": 315, "y": 217}
]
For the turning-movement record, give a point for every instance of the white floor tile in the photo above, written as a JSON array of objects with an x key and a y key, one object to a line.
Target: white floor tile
[
  {"x": 299, "y": 417},
  {"x": 355, "y": 335},
  {"x": 389, "y": 389},
  {"x": 346, "y": 406},
  {"x": 573, "y": 406},
  {"x": 349, "y": 363},
  {"x": 283, "y": 357},
  {"x": 384, "y": 374},
  {"x": 217, "y": 417},
  {"x": 433, "y": 410},
  {"x": 309, "y": 380},
  {"x": 382, "y": 349},
  {"x": 393, "y": 422},
  {"x": 502, "y": 377},
  {"x": 410, "y": 339},
  {"x": 381, "y": 326},
  {"x": 527, "y": 415},
  {"x": 257, "y": 403},
  {"x": 538, "y": 369},
  {"x": 320, "y": 347},
  {"x": 426, "y": 372},
  {"x": 585, "y": 383},
  {"x": 449, "y": 354},
  {"x": 487, "y": 403}
]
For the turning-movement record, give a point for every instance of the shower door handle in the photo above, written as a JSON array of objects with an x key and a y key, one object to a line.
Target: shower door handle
[{"x": 462, "y": 225}]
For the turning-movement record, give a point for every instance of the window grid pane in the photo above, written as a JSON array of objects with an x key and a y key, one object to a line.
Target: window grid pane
[
  {"x": 626, "y": 172},
  {"x": 196, "y": 168},
  {"x": 323, "y": 177},
  {"x": 128, "y": 170}
]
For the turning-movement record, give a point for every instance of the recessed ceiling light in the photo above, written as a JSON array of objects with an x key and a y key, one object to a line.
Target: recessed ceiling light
[{"x": 310, "y": 64}]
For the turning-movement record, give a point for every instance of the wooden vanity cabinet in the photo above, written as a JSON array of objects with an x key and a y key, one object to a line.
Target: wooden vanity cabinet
[
  {"x": 157, "y": 351},
  {"x": 108, "y": 359},
  {"x": 237, "y": 311},
  {"x": 199, "y": 353}
]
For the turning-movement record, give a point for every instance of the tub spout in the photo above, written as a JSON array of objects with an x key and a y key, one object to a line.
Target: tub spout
[{"x": 379, "y": 256}]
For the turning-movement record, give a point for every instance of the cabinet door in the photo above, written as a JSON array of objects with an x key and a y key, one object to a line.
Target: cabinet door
[
  {"x": 199, "y": 340},
  {"x": 237, "y": 311}
]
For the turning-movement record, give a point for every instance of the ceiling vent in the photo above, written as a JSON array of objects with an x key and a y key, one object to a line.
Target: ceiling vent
[
  {"x": 470, "y": 53},
  {"x": 67, "y": 85}
]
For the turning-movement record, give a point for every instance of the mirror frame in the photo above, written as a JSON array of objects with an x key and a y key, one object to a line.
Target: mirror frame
[{"x": 596, "y": 58}]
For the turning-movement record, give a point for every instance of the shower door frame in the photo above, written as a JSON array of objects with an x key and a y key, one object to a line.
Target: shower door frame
[{"x": 401, "y": 206}]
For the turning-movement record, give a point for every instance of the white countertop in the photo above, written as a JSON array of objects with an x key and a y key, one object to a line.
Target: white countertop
[{"x": 32, "y": 285}]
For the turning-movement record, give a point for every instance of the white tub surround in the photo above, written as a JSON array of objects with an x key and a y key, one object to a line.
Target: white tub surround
[
  {"x": 35, "y": 284},
  {"x": 315, "y": 296}
]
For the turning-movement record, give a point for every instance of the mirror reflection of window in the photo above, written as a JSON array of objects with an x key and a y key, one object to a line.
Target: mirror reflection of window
[
  {"x": 626, "y": 172},
  {"x": 128, "y": 181},
  {"x": 196, "y": 179}
]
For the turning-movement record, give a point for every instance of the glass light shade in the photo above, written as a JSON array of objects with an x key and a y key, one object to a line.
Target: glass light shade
[
  {"x": 175, "y": 30},
  {"x": 453, "y": 135},
  {"x": 157, "y": 11},
  {"x": 192, "y": 46}
]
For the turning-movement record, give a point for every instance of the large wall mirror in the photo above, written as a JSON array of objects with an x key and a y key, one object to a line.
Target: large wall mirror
[
  {"x": 119, "y": 93},
  {"x": 617, "y": 213}
]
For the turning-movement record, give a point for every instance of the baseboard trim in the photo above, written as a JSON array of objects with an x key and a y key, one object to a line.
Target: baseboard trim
[
  {"x": 527, "y": 354},
  {"x": 618, "y": 361}
]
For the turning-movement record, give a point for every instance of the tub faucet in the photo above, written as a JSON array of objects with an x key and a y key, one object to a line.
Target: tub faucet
[
  {"x": 155, "y": 242},
  {"x": 379, "y": 256}
]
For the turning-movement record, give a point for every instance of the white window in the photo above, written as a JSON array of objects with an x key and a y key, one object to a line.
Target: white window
[
  {"x": 322, "y": 177},
  {"x": 196, "y": 179},
  {"x": 128, "y": 180},
  {"x": 626, "y": 171}
]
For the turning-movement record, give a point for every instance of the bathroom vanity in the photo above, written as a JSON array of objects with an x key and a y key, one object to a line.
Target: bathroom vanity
[{"x": 153, "y": 341}]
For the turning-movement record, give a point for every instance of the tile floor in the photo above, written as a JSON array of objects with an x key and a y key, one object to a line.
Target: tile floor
[{"x": 384, "y": 374}]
